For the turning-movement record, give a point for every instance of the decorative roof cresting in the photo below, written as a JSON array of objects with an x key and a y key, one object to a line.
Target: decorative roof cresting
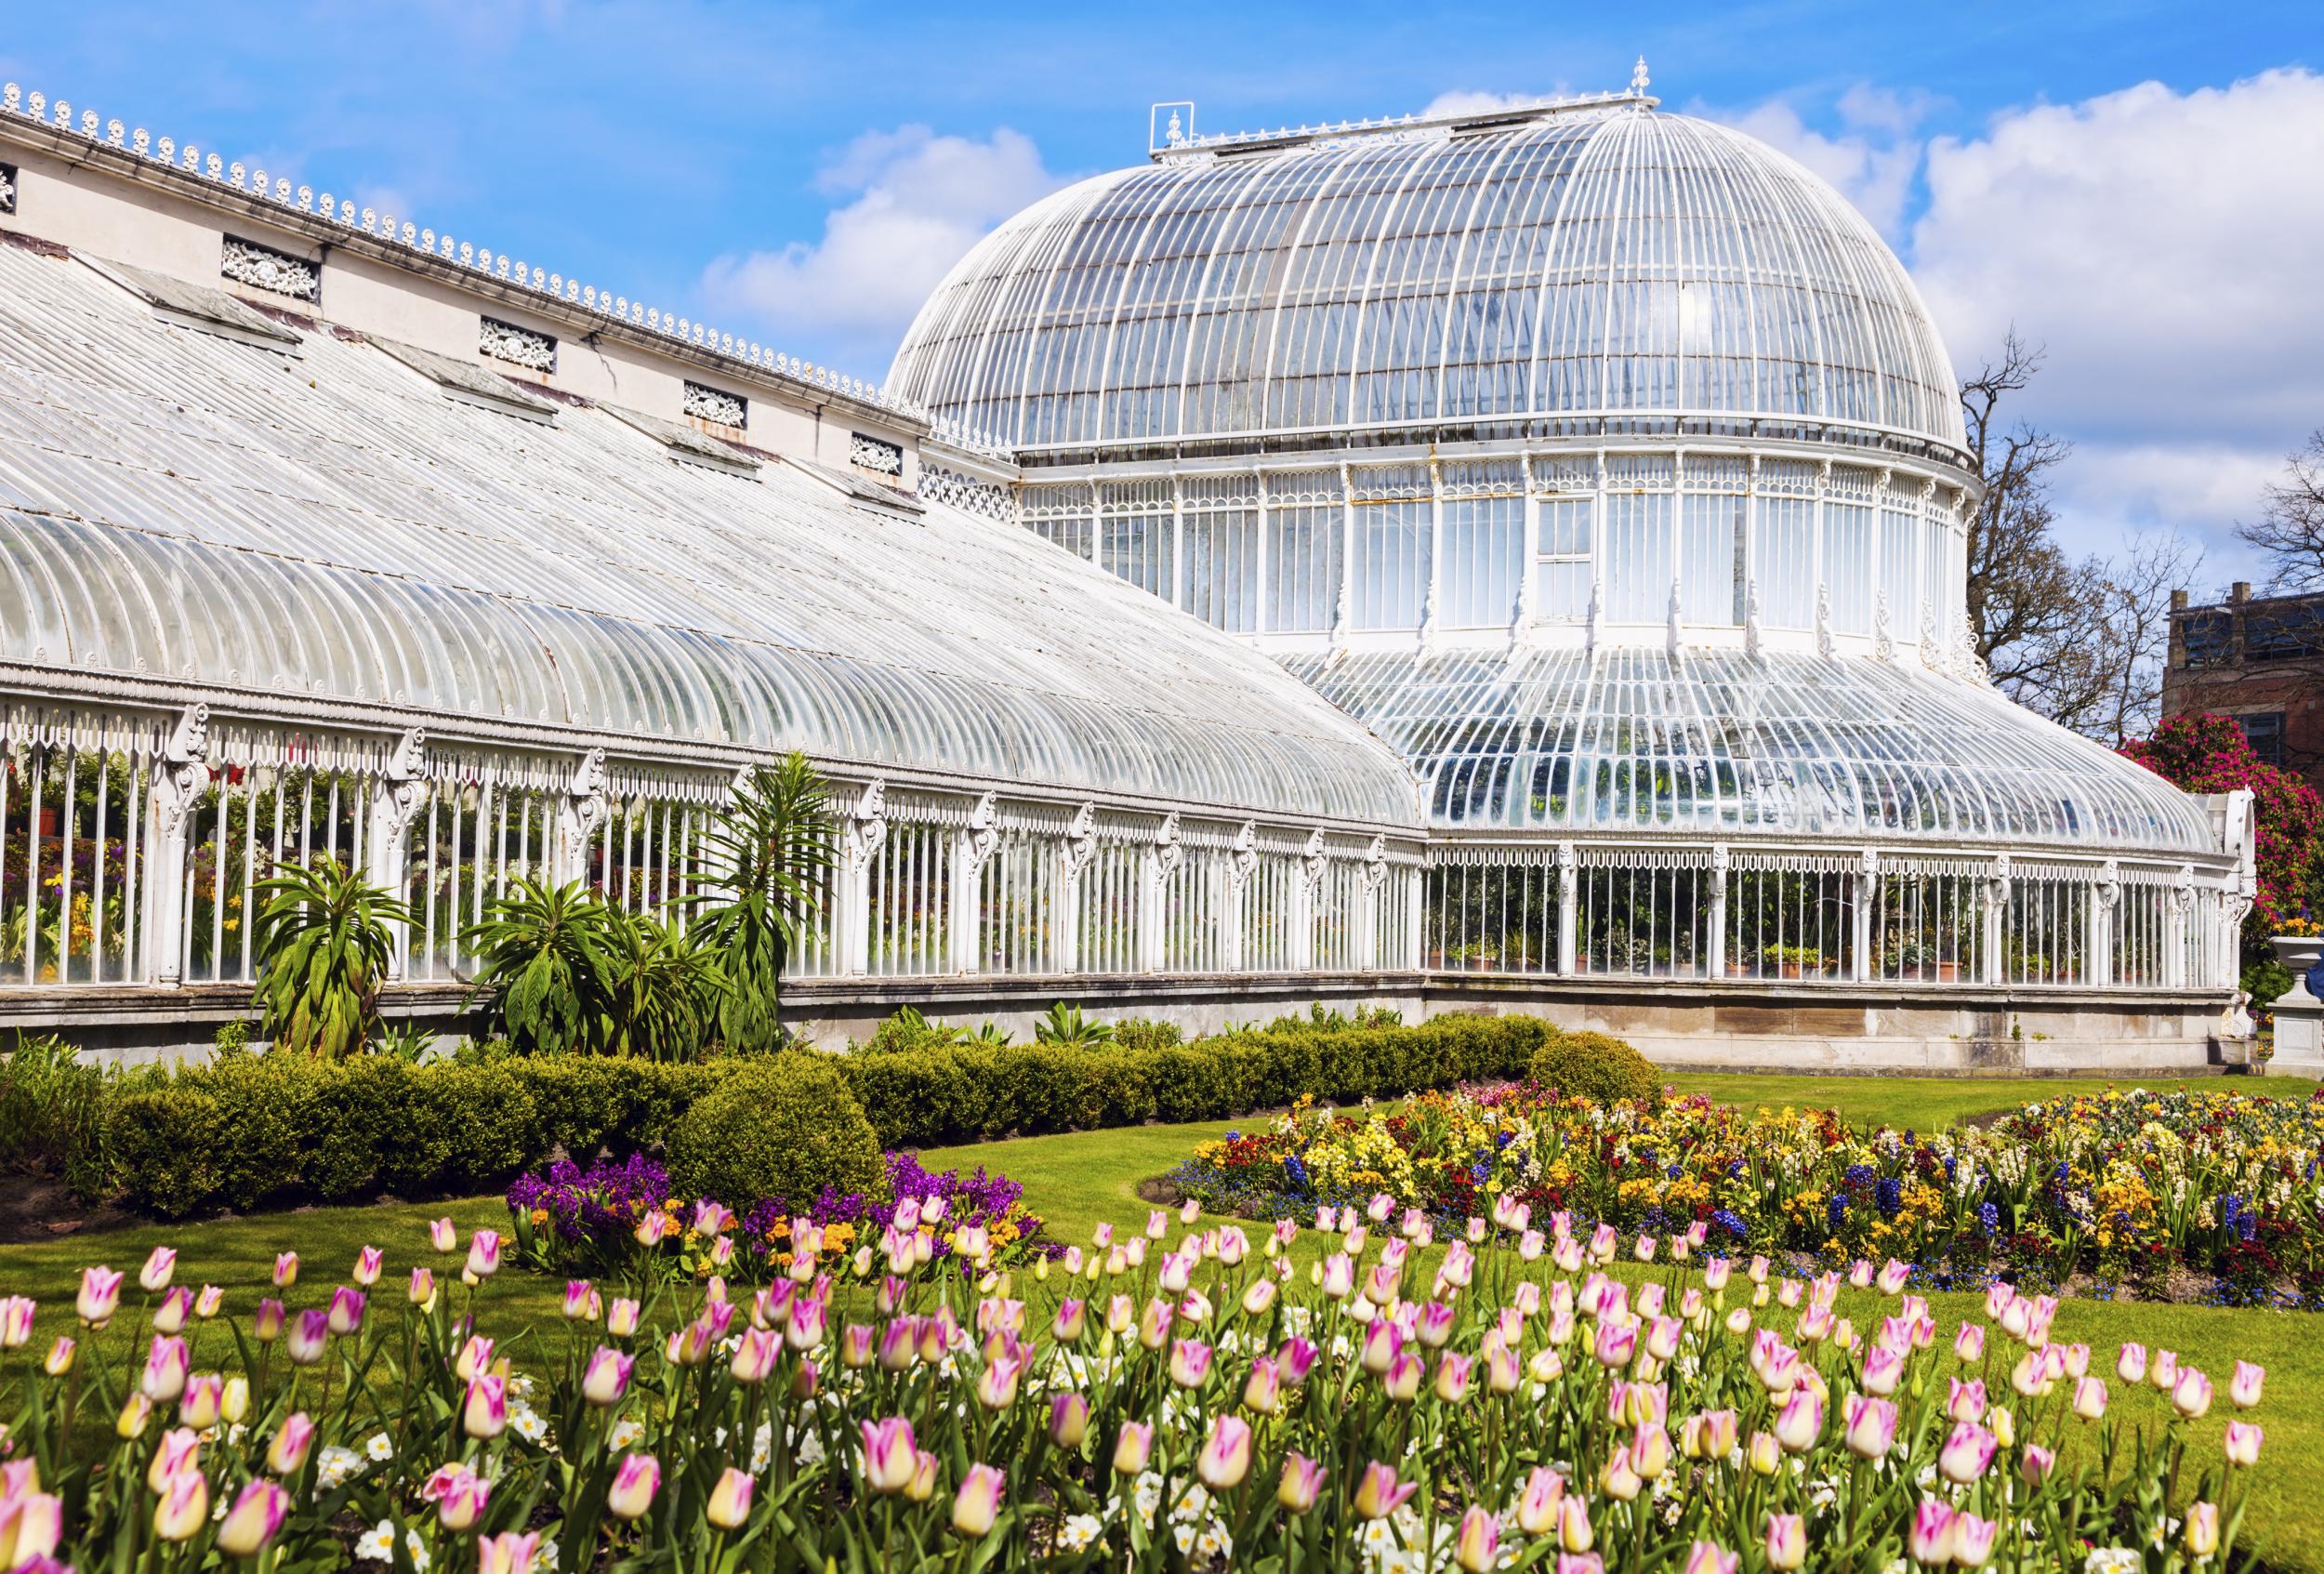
[{"x": 59, "y": 116}]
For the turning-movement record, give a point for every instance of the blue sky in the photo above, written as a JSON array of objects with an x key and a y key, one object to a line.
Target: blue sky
[{"x": 2139, "y": 187}]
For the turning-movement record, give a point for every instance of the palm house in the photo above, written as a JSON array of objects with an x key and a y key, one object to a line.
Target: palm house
[{"x": 1504, "y": 563}]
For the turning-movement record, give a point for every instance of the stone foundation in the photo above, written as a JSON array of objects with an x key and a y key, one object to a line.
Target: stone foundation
[{"x": 1822, "y": 1028}]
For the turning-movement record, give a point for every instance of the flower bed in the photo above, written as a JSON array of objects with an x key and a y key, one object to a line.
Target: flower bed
[
  {"x": 1511, "y": 1401},
  {"x": 2121, "y": 1189},
  {"x": 624, "y": 1220}
]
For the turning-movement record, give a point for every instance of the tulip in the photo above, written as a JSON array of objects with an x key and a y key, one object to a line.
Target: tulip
[
  {"x": 1378, "y": 1495},
  {"x": 997, "y": 1384},
  {"x": 2202, "y": 1530},
  {"x": 1650, "y": 1450},
  {"x": 1190, "y": 1363},
  {"x": 1883, "y": 1369},
  {"x": 184, "y": 1508},
  {"x": 2131, "y": 1364},
  {"x": 443, "y": 1237},
  {"x": 205, "y": 1304},
  {"x": 204, "y": 1396},
  {"x": 1295, "y": 1360},
  {"x": 2243, "y": 1389},
  {"x": 755, "y": 1356},
  {"x": 620, "y": 1316},
  {"x": 1302, "y": 1483},
  {"x": 170, "y": 1315},
  {"x": 2003, "y": 1425},
  {"x": 234, "y": 1402},
  {"x": 1262, "y": 1391},
  {"x": 1575, "y": 1535},
  {"x": 99, "y": 1297},
  {"x": 1787, "y": 1542},
  {"x": 1930, "y": 1540},
  {"x": 1800, "y": 1422},
  {"x": 423, "y": 1288},
  {"x": 165, "y": 1376},
  {"x": 508, "y": 1553},
  {"x": 59, "y": 1358},
  {"x": 1433, "y": 1327},
  {"x": 1616, "y": 1344},
  {"x": 809, "y": 1316},
  {"x": 1969, "y": 1344},
  {"x": 1154, "y": 1324},
  {"x": 636, "y": 1479},
  {"x": 1072, "y": 1315},
  {"x": 180, "y": 1450},
  {"x": 1477, "y": 1544},
  {"x": 134, "y": 1413},
  {"x": 2035, "y": 1463},
  {"x": 1870, "y": 1426},
  {"x": 1225, "y": 1457},
  {"x": 310, "y": 1336},
  {"x": 1765, "y": 1453},
  {"x": 2243, "y": 1442},
  {"x": 1133, "y": 1447},
  {"x": 2164, "y": 1372},
  {"x": 977, "y": 1504},
  {"x": 1964, "y": 1401},
  {"x": 15, "y": 1322},
  {"x": 483, "y": 1254},
  {"x": 460, "y": 1500},
  {"x": 1709, "y": 1557},
  {"x": 729, "y": 1508},
  {"x": 285, "y": 1270},
  {"x": 347, "y": 1310},
  {"x": 485, "y": 1412},
  {"x": 1452, "y": 1378},
  {"x": 31, "y": 1522},
  {"x": 890, "y": 1454},
  {"x": 1621, "y": 1477},
  {"x": 2191, "y": 1395},
  {"x": 1973, "y": 1540},
  {"x": 2089, "y": 1398},
  {"x": 159, "y": 1265},
  {"x": 295, "y": 1438},
  {"x": 1966, "y": 1454},
  {"x": 1068, "y": 1421},
  {"x": 1259, "y": 1299},
  {"x": 368, "y": 1263}
]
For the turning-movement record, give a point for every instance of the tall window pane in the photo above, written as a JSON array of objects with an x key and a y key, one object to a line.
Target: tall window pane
[
  {"x": 1483, "y": 541},
  {"x": 1391, "y": 542},
  {"x": 1710, "y": 565}
]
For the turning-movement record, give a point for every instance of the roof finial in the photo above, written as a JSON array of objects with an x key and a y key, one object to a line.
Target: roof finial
[{"x": 1639, "y": 81}]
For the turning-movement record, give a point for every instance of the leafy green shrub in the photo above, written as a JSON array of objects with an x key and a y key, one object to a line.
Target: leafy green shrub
[
  {"x": 1143, "y": 1033},
  {"x": 543, "y": 971},
  {"x": 781, "y": 1128},
  {"x": 1595, "y": 1066},
  {"x": 324, "y": 940},
  {"x": 908, "y": 1032},
  {"x": 167, "y": 1142},
  {"x": 52, "y": 1115}
]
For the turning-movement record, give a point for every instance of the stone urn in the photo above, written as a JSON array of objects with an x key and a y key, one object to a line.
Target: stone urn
[{"x": 2298, "y": 952}]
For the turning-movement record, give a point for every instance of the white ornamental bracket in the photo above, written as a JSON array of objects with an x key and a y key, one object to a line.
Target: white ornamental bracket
[
  {"x": 2106, "y": 897},
  {"x": 1241, "y": 865},
  {"x": 1314, "y": 862},
  {"x": 1722, "y": 862},
  {"x": 1568, "y": 907},
  {"x": 861, "y": 836},
  {"x": 582, "y": 811},
  {"x": 1372, "y": 880},
  {"x": 971, "y": 849},
  {"x": 397, "y": 797},
  {"x": 1866, "y": 881},
  {"x": 2177, "y": 914},
  {"x": 1162, "y": 862},
  {"x": 181, "y": 777},
  {"x": 1079, "y": 852},
  {"x": 1995, "y": 917}
]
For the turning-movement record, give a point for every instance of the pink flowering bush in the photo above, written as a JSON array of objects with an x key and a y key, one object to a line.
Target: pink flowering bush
[
  {"x": 2209, "y": 753},
  {"x": 1176, "y": 1398}
]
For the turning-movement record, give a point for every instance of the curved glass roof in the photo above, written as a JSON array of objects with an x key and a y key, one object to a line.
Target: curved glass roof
[
  {"x": 180, "y": 504},
  {"x": 1769, "y": 746},
  {"x": 1603, "y": 262}
]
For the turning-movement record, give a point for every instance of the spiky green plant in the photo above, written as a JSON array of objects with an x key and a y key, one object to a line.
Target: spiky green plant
[
  {"x": 544, "y": 965},
  {"x": 1066, "y": 1025},
  {"x": 663, "y": 988},
  {"x": 760, "y": 878},
  {"x": 324, "y": 940}
]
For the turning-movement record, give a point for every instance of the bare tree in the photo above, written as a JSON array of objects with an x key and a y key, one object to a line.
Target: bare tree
[
  {"x": 2081, "y": 642},
  {"x": 2289, "y": 531}
]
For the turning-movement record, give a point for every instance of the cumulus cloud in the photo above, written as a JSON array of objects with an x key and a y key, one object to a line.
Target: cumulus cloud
[
  {"x": 909, "y": 203},
  {"x": 2163, "y": 246},
  {"x": 1467, "y": 100},
  {"x": 1871, "y": 159}
]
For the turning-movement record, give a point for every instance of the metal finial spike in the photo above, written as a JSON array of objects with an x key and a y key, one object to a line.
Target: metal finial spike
[{"x": 1639, "y": 81}]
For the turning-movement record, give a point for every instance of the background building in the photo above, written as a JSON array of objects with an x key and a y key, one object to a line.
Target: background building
[
  {"x": 2259, "y": 659},
  {"x": 1496, "y": 563}
]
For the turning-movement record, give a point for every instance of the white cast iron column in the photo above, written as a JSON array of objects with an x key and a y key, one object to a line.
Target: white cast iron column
[{"x": 181, "y": 777}]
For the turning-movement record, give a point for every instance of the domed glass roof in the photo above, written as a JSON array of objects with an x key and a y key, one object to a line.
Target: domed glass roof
[
  {"x": 1608, "y": 262},
  {"x": 1769, "y": 746}
]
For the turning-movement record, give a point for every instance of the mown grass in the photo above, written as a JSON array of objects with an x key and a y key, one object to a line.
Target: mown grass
[{"x": 1077, "y": 1179}]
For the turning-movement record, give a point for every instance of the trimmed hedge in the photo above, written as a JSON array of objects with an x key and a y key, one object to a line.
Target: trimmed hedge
[{"x": 249, "y": 1131}]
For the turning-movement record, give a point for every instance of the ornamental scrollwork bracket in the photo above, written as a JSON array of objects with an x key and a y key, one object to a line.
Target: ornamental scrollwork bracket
[{"x": 184, "y": 772}]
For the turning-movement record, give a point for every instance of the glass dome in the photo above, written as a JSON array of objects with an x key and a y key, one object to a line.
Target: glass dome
[{"x": 1546, "y": 276}]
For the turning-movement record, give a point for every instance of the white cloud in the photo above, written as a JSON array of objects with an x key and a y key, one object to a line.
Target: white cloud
[
  {"x": 1468, "y": 100},
  {"x": 1871, "y": 160},
  {"x": 2163, "y": 247},
  {"x": 911, "y": 204}
]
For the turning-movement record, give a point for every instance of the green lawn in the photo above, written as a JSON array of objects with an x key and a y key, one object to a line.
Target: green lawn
[
  {"x": 1930, "y": 1103},
  {"x": 1077, "y": 1179}
]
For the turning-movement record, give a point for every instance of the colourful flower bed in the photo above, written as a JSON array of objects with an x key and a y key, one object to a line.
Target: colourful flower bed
[
  {"x": 624, "y": 1219},
  {"x": 1511, "y": 1400},
  {"x": 2125, "y": 1188}
]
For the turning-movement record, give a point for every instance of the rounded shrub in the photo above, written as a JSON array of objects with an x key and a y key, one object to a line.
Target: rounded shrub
[
  {"x": 783, "y": 1127},
  {"x": 1597, "y": 1066}
]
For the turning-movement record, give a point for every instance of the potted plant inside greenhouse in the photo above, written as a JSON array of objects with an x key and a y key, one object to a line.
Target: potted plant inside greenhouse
[{"x": 1793, "y": 962}]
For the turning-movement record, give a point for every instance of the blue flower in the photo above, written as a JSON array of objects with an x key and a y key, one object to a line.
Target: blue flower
[
  {"x": 1674, "y": 1172},
  {"x": 1990, "y": 1218},
  {"x": 1480, "y": 1172},
  {"x": 1838, "y": 1209},
  {"x": 1294, "y": 1171},
  {"x": 1731, "y": 1221},
  {"x": 1890, "y": 1196}
]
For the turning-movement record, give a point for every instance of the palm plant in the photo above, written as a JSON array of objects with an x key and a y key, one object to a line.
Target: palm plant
[
  {"x": 663, "y": 988},
  {"x": 1064, "y": 1026},
  {"x": 544, "y": 965},
  {"x": 760, "y": 878},
  {"x": 324, "y": 941}
]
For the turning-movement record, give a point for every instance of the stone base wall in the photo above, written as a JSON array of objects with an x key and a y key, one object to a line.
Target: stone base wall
[{"x": 1681, "y": 1025}]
